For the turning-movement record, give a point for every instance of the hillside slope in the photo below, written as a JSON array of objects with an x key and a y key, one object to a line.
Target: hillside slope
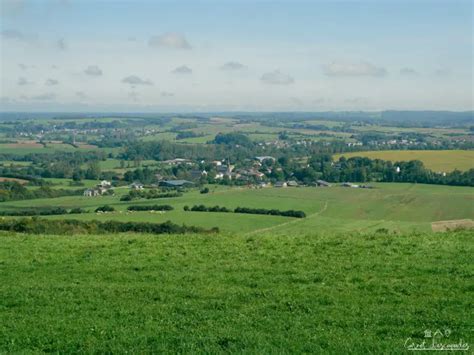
[{"x": 259, "y": 294}]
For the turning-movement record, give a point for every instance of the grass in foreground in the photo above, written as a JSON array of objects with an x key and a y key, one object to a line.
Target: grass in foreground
[{"x": 256, "y": 294}]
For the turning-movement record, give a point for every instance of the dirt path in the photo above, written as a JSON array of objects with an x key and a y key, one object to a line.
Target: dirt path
[{"x": 294, "y": 221}]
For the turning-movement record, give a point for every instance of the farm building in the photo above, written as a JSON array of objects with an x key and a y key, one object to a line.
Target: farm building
[
  {"x": 136, "y": 186},
  {"x": 281, "y": 184},
  {"x": 261, "y": 159},
  {"x": 92, "y": 192},
  {"x": 348, "y": 184},
  {"x": 105, "y": 184},
  {"x": 323, "y": 183},
  {"x": 292, "y": 183},
  {"x": 178, "y": 161}
]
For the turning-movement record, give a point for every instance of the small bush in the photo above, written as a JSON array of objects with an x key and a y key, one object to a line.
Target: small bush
[{"x": 105, "y": 208}]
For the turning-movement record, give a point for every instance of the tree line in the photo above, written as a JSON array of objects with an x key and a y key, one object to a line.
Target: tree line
[
  {"x": 73, "y": 227},
  {"x": 272, "y": 212}
]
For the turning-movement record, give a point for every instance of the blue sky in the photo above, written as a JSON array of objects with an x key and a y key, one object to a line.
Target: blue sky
[{"x": 236, "y": 55}]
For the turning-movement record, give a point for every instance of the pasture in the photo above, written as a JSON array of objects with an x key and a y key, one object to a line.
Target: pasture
[
  {"x": 436, "y": 160},
  {"x": 293, "y": 293},
  {"x": 396, "y": 207}
]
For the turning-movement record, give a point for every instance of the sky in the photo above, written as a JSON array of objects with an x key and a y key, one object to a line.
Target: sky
[{"x": 236, "y": 55}]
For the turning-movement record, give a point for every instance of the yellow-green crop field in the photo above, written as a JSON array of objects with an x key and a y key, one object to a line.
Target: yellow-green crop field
[{"x": 436, "y": 160}]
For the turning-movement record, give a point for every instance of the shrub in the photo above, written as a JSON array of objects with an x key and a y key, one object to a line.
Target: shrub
[
  {"x": 105, "y": 208},
  {"x": 151, "y": 208}
]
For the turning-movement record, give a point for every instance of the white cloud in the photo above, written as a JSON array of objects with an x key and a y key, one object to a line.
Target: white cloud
[
  {"x": 134, "y": 96},
  {"x": 170, "y": 40},
  {"x": 167, "y": 94},
  {"x": 183, "y": 69},
  {"x": 135, "y": 80},
  {"x": 22, "y": 81},
  {"x": 408, "y": 71},
  {"x": 44, "y": 97},
  {"x": 233, "y": 66},
  {"x": 16, "y": 35},
  {"x": 353, "y": 69},
  {"x": 51, "y": 82},
  {"x": 61, "y": 44},
  {"x": 93, "y": 70},
  {"x": 81, "y": 95},
  {"x": 276, "y": 77}
]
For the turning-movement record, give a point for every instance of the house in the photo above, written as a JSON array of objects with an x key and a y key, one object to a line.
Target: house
[
  {"x": 281, "y": 184},
  {"x": 91, "y": 193},
  {"x": 178, "y": 161},
  {"x": 105, "y": 184},
  {"x": 261, "y": 159},
  {"x": 176, "y": 183},
  {"x": 136, "y": 186},
  {"x": 197, "y": 174},
  {"x": 323, "y": 183},
  {"x": 292, "y": 183}
]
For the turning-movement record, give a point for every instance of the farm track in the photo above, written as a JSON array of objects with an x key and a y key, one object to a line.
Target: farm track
[{"x": 294, "y": 221}]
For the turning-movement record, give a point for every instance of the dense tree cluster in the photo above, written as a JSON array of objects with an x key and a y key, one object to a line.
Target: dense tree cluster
[
  {"x": 12, "y": 190},
  {"x": 272, "y": 212},
  {"x": 74, "y": 227},
  {"x": 41, "y": 211},
  {"x": 149, "y": 194}
]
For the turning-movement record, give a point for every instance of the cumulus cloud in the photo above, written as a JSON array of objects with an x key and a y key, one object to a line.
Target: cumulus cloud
[
  {"x": 16, "y": 35},
  {"x": 81, "y": 95},
  {"x": 172, "y": 40},
  {"x": 12, "y": 7},
  {"x": 353, "y": 69},
  {"x": 51, "y": 82},
  {"x": 93, "y": 70},
  {"x": 22, "y": 81},
  {"x": 61, "y": 44},
  {"x": 135, "y": 80},
  {"x": 408, "y": 71},
  {"x": 134, "y": 96},
  {"x": 276, "y": 77},
  {"x": 233, "y": 66},
  {"x": 44, "y": 97},
  {"x": 167, "y": 94},
  {"x": 183, "y": 69},
  {"x": 442, "y": 72}
]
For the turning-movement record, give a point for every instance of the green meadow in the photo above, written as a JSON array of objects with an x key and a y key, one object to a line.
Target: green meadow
[
  {"x": 396, "y": 207},
  {"x": 231, "y": 293}
]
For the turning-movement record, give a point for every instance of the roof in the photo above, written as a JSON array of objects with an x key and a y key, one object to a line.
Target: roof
[{"x": 177, "y": 182}]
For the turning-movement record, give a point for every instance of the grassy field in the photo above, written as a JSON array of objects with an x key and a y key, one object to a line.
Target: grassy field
[
  {"x": 436, "y": 160},
  {"x": 397, "y": 207},
  {"x": 293, "y": 293}
]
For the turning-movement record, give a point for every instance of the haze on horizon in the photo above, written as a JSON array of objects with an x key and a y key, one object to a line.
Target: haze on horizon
[{"x": 91, "y": 55}]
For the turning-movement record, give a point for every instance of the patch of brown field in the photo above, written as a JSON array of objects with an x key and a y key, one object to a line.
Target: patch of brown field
[
  {"x": 443, "y": 226},
  {"x": 20, "y": 181}
]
